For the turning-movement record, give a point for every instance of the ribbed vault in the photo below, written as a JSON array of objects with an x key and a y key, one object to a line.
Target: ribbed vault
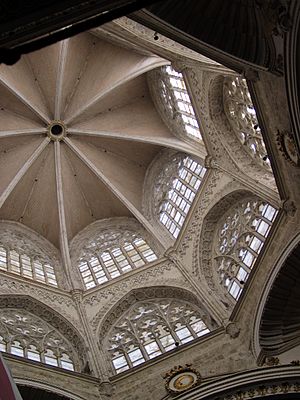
[{"x": 78, "y": 133}]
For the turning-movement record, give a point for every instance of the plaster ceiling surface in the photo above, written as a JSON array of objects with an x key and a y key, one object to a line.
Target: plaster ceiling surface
[{"x": 78, "y": 132}]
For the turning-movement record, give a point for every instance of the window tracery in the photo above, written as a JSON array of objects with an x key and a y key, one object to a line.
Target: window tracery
[
  {"x": 112, "y": 253},
  {"x": 178, "y": 101},
  {"x": 240, "y": 238},
  {"x": 28, "y": 267},
  {"x": 170, "y": 94},
  {"x": 26, "y": 335},
  {"x": 179, "y": 183},
  {"x": 151, "y": 328},
  {"x": 242, "y": 116}
]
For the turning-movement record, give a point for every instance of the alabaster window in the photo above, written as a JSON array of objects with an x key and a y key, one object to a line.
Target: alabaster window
[
  {"x": 180, "y": 194},
  {"x": 26, "y": 335},
  {"x": 241, "y": 113},
  {"x": 178, "y": 101},
  {"x": 151, "y": 328},
  {"x": 240, "y": 239},
  {"x": 28, "y": 267},
  {"x": 123, "y": 253}
]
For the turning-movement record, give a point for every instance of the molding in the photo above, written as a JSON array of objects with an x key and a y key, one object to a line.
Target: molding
[
  {"x": 96, "y": 237},
  {"x": 256, "y": 348},
  {"x": 50, "y": 316},
  {"x": 150, "y": 293},
  {"x": 15, "y": 235},
  {"x": 141, "y": 37},
  {"x": 249, "y": 384}
]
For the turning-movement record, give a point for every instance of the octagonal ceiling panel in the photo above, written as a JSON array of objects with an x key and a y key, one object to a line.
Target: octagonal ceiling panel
[{"x": 78, "y": 132}]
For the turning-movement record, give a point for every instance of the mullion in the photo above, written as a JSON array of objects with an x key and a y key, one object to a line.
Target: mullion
[
  {"x": 45, "y": 273},
  {"x": 196, "y": 127},
  {"x": 186, "y": 184},
  {"x": 173, "y": 221},
  {"x": 139, "y": 252},
  {"x": 92, "y": 272},
  {"x": 177, "y": 209},
  {"x": 107, "y": 274},
  {"x": 259, "y": 235},
  {"x": 21, "y": 266},
  {"x": 124, "y": 252},
  {"x": 115, "y": 261}
]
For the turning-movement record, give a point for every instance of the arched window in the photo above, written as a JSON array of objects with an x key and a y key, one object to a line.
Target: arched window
[
  {"x": 111, "y": 254},
  {"x": 151, "y": 328},
  {"x": 26, "y": 335},
  {"x": 32, "y": 267},
  {"x": 179, "y": 192},
  {"x": 178, "y": 101},
  {"x": 242, "y": 116},
  {"x": 239, "y": 240}
]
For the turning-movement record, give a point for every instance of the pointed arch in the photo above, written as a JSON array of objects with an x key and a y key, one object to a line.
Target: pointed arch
[
  {"x": 111, "y": 247},
  {"x": 232, "y": 235},
  {"x": 25, "y": 252},
  {"x": 277, "y": 321},
  {"x": 171, "y": 184},
  {"x": 148, "y": 322},
  {"x": 234, "y": 119},
  {"x": 45, "y": 329}
]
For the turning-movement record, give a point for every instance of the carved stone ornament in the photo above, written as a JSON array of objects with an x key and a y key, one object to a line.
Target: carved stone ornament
[
  {"x": 143, "y": 34},
  {"x": 287, "y": 147},
  {"x": 295, "y": 362},
  {"x": 289, "y": 207},
  {"x": 17, "y": 237},
  {"x": 241, "y": 114},
  {"x": 25, "y": 304},
  {"x": 107, "y": 233},
  {"x": 262, "y": 391},
  {"x": 233, "y": 330},
  {"x": 106, "y": 389},
  {"x": 146, "y": 294},
  {"x": 181, "y": 378},
  {"x": 271, "y": 361}
]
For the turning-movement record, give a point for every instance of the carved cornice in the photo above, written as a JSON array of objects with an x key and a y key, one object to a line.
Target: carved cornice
[{"x": 264, "y": 382}]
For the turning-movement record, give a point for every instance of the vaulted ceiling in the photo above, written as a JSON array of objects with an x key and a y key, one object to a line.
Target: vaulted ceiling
[{"x": 78, "y": 132}]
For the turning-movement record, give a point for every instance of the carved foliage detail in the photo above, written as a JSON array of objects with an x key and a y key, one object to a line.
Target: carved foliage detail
[
  {"x": 29, "y": 336},
  {"x": 50, "y": 317}
]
